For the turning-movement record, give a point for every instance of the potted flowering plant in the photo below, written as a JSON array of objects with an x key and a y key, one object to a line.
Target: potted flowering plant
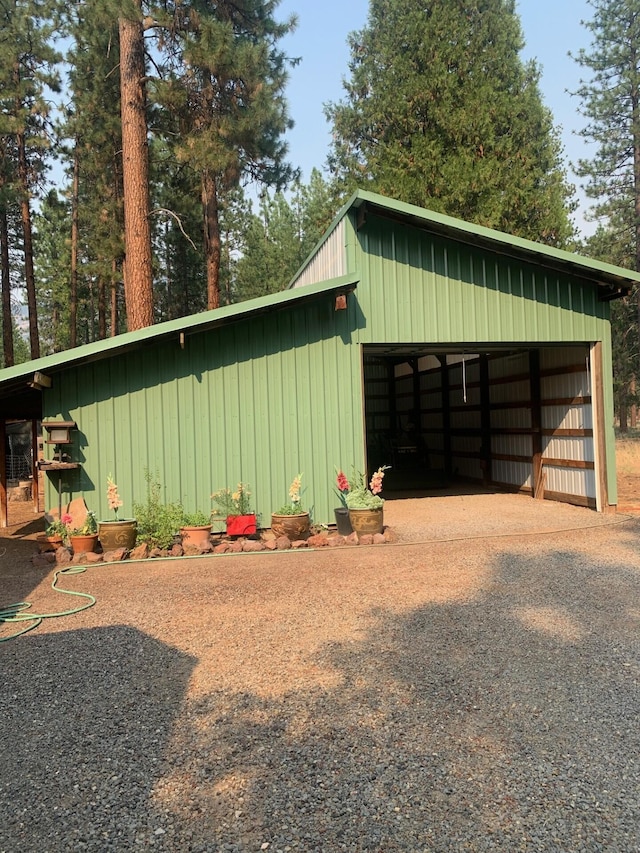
[
  {"x": 120, "y": 532},
  {"x": 57, "y": 531},
  {"x": 235, "y": 508},
  {"x": 365, "y": 504},
  {"x": 292, "y": 520},
  {"x": 341, "y": 513},
  {"x": 84, "y": 537}
]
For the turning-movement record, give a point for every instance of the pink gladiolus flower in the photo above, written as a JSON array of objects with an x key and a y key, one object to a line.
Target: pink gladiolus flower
[
  {"x": 113, "y": 498},
  {"x": 376, "y": 481}
]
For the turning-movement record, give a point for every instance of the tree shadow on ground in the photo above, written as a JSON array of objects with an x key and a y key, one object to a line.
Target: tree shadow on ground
[
  {"x": 85, "y": 717},
  {"x": 506, "y": 722}
]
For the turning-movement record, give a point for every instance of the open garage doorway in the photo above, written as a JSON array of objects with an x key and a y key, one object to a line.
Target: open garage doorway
[{"x": 516, "y": 418}]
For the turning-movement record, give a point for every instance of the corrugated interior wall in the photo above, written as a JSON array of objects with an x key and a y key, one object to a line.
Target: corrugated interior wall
[
  {"x": 259, "y": 401},
  {"x": 483, "y": 429},
  {"x": 511, "y": 424},
  {"x": 567, "y": 422},
  {"x": 464, "y": 416}
]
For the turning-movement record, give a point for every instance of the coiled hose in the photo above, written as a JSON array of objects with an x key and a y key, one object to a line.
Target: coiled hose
[{"x": 16, "y": 613}]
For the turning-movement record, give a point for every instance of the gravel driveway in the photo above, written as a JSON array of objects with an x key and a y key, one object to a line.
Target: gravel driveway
[{"x": 473, "y": 694}]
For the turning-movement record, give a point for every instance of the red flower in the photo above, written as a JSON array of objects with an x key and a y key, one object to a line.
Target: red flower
[{"x": 343, "y": 483}]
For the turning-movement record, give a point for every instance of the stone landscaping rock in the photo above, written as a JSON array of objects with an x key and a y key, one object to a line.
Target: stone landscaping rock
[
  {"x": 222, "y": 548},
  {"x": 176, "y": 550},
  {"x": 114, "y": 556},
  {"x": 318, "y": 540},
  {"x": 63, "y": 556},
  {"x": 140, "y": 552},
  {"x": 83, "y": 558},
  {"x": 365, "y": 539},
  {"x": 300, "y": 543},
  {"x": 92, "y": 557},
  {"x": 158, "y": 552},
  {"x": 270, "y": 545},
  {"x": 283, "y": 543},
  {"x": 192, "y": 551},
  {"x": 251, "y": 545}
]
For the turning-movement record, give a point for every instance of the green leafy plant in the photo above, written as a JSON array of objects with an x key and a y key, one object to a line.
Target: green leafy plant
[
  {"x": 363, "y": 496},
  {"x": 158, "y": 523},
  {"x": 59, "y": 526},
  {"x": 195, "y": 519},
  {"x": 294, "y": 506},
  {"x": 88, "y": 528},
  {"x": 232, "y": 503}
]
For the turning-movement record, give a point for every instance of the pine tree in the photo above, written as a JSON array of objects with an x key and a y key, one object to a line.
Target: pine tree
[
  {"x": 27, "y": 71},
  {"x": 278, "y": 240},
  {"x": 610, "y": 100},
  {"x": 226, "y": 81},
  {"x": 93, "y": 159},
  {"x": 52, "y": 243},
  {"x": 441, "y": 111}
]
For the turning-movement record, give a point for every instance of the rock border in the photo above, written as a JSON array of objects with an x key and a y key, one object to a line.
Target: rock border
[{"x": 218, "y": 544}]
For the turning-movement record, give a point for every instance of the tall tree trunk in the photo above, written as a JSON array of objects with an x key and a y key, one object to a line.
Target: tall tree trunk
[
  {"x": 102, "y": 309},
  {"x": 73, "y": 295},
  {"x": 138, "y": 283},
  {"x": 211, "y": 238},
  {"x": 29, "y": 272},
  {"x": 114, "y": 298},
  {"x": 7, "y": 324},
  {"x": 623, "y": 416}
]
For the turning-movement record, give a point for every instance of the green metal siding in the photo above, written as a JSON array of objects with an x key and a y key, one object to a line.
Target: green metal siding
[
  {"x": 258, "y": 401},
  {"x": 420, "y": 287}
]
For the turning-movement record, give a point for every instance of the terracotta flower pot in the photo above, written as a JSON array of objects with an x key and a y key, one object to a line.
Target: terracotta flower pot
[
  {"x": 117, "y": 534},
  {"x": 367, "y": 520},
  {"x": 294, "y": 527},
  {"x": 196, "y": 535},
  {"x": 49, "y": 543},
  {"x": 83, "y": 544}
]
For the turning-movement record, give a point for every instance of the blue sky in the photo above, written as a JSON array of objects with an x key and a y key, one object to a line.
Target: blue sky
[{"x": 551, "y": 29}]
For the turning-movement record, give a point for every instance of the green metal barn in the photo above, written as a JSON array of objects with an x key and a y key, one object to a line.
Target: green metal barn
[{"x": 408, "y": 338}]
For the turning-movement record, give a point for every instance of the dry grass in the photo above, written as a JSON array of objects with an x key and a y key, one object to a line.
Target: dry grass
[{"x": 628, "y": 453}]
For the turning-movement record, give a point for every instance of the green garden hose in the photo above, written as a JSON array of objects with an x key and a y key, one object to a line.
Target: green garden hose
[{"x": 16, "y": 613}]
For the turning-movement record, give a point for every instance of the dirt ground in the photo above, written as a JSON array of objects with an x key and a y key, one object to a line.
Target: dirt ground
[
  {"x": 412, "y": 519},
  {"x": 629, "y": 493},
  {"x": 462, "y": 689}
]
